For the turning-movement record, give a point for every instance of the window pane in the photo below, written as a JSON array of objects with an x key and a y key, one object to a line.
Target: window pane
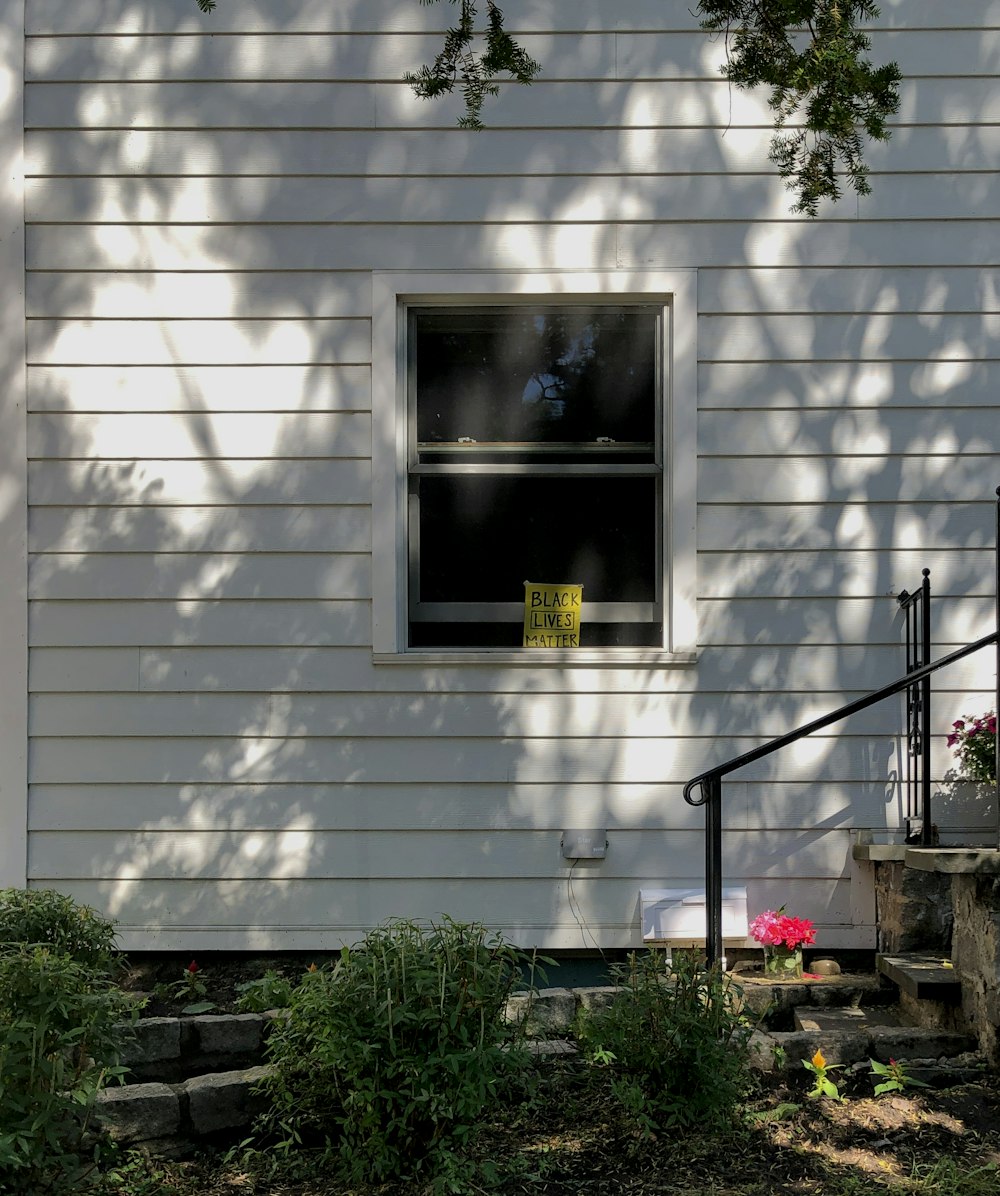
[
  {"x": 481, "y": 537},
  {"x": 567, "y": 375}
]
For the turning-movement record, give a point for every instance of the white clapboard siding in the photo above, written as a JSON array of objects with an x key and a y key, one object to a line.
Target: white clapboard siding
[
  {"x": 318, "y": 914},
  {"x": 346, "y": 57},
  {"x": 202, "y": 294},
  {"x": 357, "y": 16},
  {"x": 423, "y": 715},
  {"x": 566, "y": 198},
  {"x": 873, "y": 336},
  {"x": 242, "y": 294},
  {"x": 185, "y": 435},
  {"x": 207, "y": 152},
  {"x": 686, "y": 54},
  {"x": 710, "y": 102},
  {"x": 349, "y": 670},
  {"x": 933, "y": 382},
  {"x": 215, "y": 758},
  {"x": 146, "y": 481},
  {"x": 563, "y": 198},
  {"x": 193, "y": 759},
  {"x": 857, "y": 525},
  {"x": 244, "y": 623},
  {"x": 372, "y": 855},
  {"x": 914, "y": 478},
  {"x": 316, "y": 387},
  {"x": 676, "y": 244},
  {"x": 292, "y": 528},
  {"x": 197, "y": 342},
  {"x": 200, "y": 575},
  {"x": 415, "y": 806}
]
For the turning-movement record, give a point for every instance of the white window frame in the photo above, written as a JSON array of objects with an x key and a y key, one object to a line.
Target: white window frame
[{"x": 393, "y": 293}]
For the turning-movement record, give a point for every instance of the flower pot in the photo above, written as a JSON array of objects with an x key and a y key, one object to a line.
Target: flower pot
[{"x": 783, "y": 963}]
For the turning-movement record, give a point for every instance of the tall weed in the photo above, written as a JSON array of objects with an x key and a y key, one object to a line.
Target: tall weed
[
  {"x": 676, "y": 1041},
  {"x": 60, "y": 1035},
  {"x": 387, "y": 1059}
]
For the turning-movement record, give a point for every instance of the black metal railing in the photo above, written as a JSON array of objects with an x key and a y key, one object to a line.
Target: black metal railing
[
  {"x": 709, "y": 783},
  {"x": 916, "y": 609}
]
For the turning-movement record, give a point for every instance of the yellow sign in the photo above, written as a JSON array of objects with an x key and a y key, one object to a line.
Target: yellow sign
[{"x": 552, "y": 615}]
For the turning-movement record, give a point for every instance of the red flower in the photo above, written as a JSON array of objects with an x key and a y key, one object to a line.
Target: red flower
[{"x": 192, "y": 967}]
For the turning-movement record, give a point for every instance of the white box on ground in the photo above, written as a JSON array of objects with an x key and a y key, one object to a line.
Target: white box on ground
[{"x": 679, "y": 916}]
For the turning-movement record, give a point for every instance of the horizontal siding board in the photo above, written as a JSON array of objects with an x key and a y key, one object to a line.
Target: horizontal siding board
[
  {"x": 572, "y": 198},
  {"x": 345, "y": 56},
  {"x": 770, "y": 805},
  {"x": 674, "y": 245},
  {"x": 710, "y": 103},
  {"x": 158, "y": 483},
  {"x": 150, "y": 623},
  {"x": 323, "y": 295},
  {"x": 197, "y": 342},
  {"x": 199, "y": 294},
  {"x": 380, "y": 760},
  {"x": 954, "y": 376},
  {"x": 855, "y": 525},
  {"x": 431, "y": 715},
  {"x": 204, "y": 575},
  {"x": 840, "y": 572},
  {"x": 791, "y": 479},
  {"x": 774, "y": 670},
  {"x": 354, "y": 16},
  {"x": 187, "y": 435},
  {"x": 868, "y": 336},
  {"x": 319, "y": 16},
  {"x": 851, "y": 432},
  {"x": 90, "y": 670},
  {"x": 452, "y": 151},
  {"x": 960, "y": 100},
  {"x": 199, "y": 388},
  {"x": 200, "y": 529},
  {"x": 374, "y": 856},
  {"x": 177, "y": 914}
]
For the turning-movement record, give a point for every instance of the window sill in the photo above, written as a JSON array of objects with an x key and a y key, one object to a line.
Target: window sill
[{"x": 534, "y": 657}]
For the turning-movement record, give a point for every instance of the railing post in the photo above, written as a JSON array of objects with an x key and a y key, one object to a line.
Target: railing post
[
  {"x": 996, "y": 692},
  {"x": 926, "y": 821},
  {"x": 712, "y": 792}
]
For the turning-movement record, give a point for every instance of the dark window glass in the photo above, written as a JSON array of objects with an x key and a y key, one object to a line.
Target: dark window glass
[
  {"x": 551, "y": 376},
  {"x": 534, "y": 458}
]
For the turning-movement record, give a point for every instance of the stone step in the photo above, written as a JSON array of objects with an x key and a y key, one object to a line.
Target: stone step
[
  {"x": 886, "y": 1035},
  {"x": 922, "y": 976}
]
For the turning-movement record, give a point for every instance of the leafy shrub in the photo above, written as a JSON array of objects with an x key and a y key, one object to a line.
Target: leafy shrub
[
  {"x": 41, "y": 917},
  {"x": 270, "y": 991},
  {"x": 59, "y": 1041},
  {"x": 387, "y": 1059},
  {"x": 676, "y": 1040}
]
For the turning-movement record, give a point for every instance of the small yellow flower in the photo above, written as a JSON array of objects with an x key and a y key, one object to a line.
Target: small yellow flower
[{"x": 818, "y": 1059}]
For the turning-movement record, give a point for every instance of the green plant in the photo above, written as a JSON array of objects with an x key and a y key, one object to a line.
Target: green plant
[
  {"x": 678, "y": 1041},
  {"x": 60, "y": 1035},
  {"x": 896, "y": 1078},
  {"x": 824, "y": 1086},
  {"x": 190, "y": 988},
  {"x": 45, "y": 918},
  {"x": 387, "y": 1059},
  {"x": 270, "y": 991}
]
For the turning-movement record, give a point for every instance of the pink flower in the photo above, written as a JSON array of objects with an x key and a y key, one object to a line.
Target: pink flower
[{"x": 775, "y": 928}]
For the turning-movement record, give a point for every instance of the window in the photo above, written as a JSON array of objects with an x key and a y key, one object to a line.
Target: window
[{"x": 529, "y": 433}]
